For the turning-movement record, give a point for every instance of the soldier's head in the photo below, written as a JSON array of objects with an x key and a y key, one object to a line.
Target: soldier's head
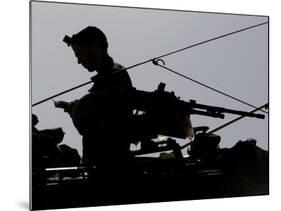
[{"x": 90, "y": 47}]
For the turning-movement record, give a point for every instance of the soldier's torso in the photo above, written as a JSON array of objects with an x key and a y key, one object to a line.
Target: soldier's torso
[{"x": 104, "y": 106}]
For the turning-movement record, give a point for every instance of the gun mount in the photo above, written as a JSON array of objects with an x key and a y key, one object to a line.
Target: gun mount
[{"x": 166, "y": 114}]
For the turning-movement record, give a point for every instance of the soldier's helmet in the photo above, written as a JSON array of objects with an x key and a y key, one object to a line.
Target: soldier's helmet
[{"x": 86, "y": 36}]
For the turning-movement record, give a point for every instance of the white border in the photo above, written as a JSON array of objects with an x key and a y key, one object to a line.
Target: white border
[{"x": 15, "y": 103}]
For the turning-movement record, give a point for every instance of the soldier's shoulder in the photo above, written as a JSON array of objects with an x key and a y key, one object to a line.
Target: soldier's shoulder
[
  {"x": 117, "y": 67},
  {"x": 122, "y": 74}
]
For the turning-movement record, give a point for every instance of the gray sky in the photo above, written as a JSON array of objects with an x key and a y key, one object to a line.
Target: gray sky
[{"x": 236, "y": 64}]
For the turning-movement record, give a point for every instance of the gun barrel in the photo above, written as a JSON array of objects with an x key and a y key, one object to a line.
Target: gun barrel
[
  {"x": 216, "y": 109},
  {"x": 191, "y": 107}
]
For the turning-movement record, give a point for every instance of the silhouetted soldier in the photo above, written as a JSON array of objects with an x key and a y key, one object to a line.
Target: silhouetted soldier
[{"x": 101, "y": 116}]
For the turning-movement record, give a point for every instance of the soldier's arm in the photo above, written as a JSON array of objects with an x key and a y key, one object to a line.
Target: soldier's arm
[{"x": 66, "y": 106}]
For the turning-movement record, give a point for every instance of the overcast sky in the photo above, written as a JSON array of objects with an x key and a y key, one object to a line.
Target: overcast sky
[{"x": 237, "y": 64}]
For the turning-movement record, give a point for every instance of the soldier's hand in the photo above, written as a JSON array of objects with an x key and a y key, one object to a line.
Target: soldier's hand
[{"x": 61, "y": 104}]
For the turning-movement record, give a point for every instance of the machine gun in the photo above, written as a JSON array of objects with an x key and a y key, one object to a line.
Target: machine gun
[{"x": 164, "y": 113}]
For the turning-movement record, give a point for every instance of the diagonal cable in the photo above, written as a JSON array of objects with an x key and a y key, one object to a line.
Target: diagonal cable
[
  {"x": 151, "y": 60},
  {"x": 236, "y": 119},
  {"x": 206, "y": 86},
  {"x": 212, "y": 39}
]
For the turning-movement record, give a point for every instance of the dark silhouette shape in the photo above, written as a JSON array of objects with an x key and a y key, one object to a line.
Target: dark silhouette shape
[
  {"x": 46, "y": 151},
  {"x": 44, "y": 146},
  {"x": 245, "y": 164},
  {"x": 105, "y": 119},
  {"x": 69, "y": 156},
  {"x": 101, "y": 115},
  {"x": 209, "y": 171}
]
